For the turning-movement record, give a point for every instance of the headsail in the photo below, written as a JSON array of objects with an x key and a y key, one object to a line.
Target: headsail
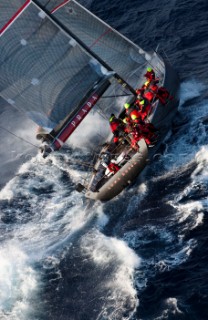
[{"x": 122, "y": 55}]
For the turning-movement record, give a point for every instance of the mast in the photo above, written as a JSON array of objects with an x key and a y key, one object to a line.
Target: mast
[
  {"x": 58, "y": 136},
  {"x": 120, "y": 80}
]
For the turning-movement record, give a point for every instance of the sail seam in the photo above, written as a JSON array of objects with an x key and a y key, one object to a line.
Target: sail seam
[
  {"x": 60, "y": 6},
  {"x": 104, "y": 23},
  {"x": 100, "y": 37},
  {"x": 14, "y": 17}
]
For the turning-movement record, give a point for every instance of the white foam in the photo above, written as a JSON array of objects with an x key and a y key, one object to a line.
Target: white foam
[
  {"x": 54, "y": 219},
  {"x": 183, "y": 148},
  {"x": 202, "y": 167},
  {"x": 18, "y": 282},
  {"x": 102, "y": 219},
  {"x": 190, "y": 89},
  {"x": 105, "y": 248},
  {"x": 6, "y": 193},
  {"x": 106, "y": 251},
  {"x": 139, "y": 193},
  {"x": 171, "y": 305},
  {"x": 191, "y": 214}
]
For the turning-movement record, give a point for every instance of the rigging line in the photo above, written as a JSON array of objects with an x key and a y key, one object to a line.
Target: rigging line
[
  {"x": 47, "y": 3},
  {"x": 19, "y": 137},
  {"x": 86, "y": 164},
  {"x": 100, "y": 112},
  {"x": 116, "y": 96},
  {"x": 123, "y": 90}
]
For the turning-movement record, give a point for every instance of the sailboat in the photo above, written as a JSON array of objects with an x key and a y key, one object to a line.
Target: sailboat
[{"x": 58, "y": 62}]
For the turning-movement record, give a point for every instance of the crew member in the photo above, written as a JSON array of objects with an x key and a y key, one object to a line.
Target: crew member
[
  {"x": 155, "y": 92},
  {"x": 113, "y": 167},
  {"x": 143, "y": 132},
  {"x": 132, "y": 113},
  {"x": 150, "y": 74},
  {"x": 138, "y": 129},
  {"x": 110, "y": 165},
  {"x": 137, "y": 135},
  {"x": 116, "y": 126},
  {"x": 163, "y": 95},
  {"x": 141, "y": 94},
  {"x": 144, "y": 107},
  {"x": 150, "y": 78}
]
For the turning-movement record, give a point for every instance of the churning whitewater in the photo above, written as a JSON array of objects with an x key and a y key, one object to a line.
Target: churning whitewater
[
  {"x": 44, "y": 222},
  {"x": 142, "y": 255}
]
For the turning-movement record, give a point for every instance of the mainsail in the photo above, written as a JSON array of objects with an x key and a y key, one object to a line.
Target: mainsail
[
  {"x": 55, "y": 56},
  {"x": 44, "y": 72}
]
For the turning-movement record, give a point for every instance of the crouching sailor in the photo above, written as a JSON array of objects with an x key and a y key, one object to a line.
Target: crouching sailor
[
  {"x": 112, "y": 168},
  {"x": 142, "y": 132},
  {"x": 144, "y": 106},
  {"x": 110, "y": 165},
  {"x": 151, "y": 91},
  {"x": 117, "y": 128}
]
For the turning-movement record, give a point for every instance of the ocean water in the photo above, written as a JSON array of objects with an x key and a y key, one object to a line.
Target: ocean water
[{"x": 142, "y": 255}]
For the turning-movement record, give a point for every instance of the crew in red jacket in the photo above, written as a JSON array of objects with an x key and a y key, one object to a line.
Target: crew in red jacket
[
  {"x": 138, "y": 128},
  {"x": 144, "y": 107},
  {"x": 113, "y": 167},
  {"x": 132, "y": 113},
  {"x": 143, "y": 132},
  {"x": 117, "y": 127},
  {"x": 150, "y": 74}
]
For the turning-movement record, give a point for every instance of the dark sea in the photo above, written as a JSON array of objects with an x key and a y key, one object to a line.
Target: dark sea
[{"x": 144, "y": 254}]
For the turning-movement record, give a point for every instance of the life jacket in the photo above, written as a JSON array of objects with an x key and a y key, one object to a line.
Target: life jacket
[
  {"x": 145, "y": 107},
  {"x": 113, "y": 167},
  {"x": 114, "y": 125},
  {"x": 149, "y": 96},
  {"x": 163, "y": 95},
  {"x": 134, "y": 114},
  {"x": 150, "y": 75},
  {"x": 153, "y": 87},
  {"x": 139, "y": 134}
]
